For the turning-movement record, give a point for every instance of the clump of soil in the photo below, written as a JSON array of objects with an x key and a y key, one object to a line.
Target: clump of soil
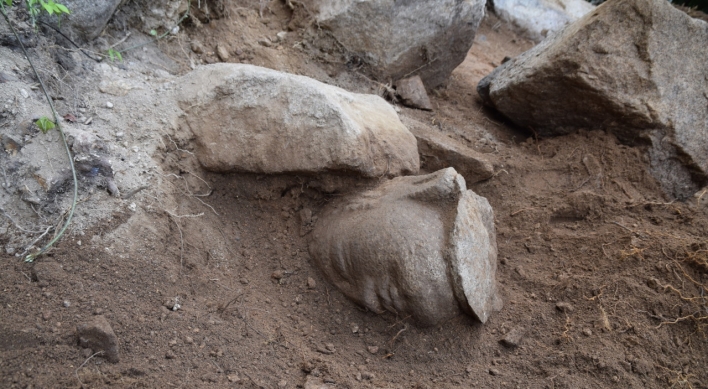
[{"x": 207, "y": 282}]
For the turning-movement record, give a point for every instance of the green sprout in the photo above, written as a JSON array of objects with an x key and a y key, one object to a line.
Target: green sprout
[
  {"x": 45, "y": 124},
  {"x": 115, "y": 55}
]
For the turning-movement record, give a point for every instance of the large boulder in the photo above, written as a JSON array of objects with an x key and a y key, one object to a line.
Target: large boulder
[
  {"x": 423, "y": 246},
  {"x": 538, "y": 18},
  {"x": 87, "y": 18},
  {"x": 402, "y": 38},
  {"x": 636, "y": 68},
  {"x": 251, "y": 119}
]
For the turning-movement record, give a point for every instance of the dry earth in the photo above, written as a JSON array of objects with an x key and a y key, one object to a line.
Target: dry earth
[{"x": 603, "y": 277}]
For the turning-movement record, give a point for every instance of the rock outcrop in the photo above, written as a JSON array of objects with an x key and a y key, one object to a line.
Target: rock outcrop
[
  {"x": 251, "y": 119},
  {"x": 87, "y": 18},
  {"x": 422, "y": 246},
  {"x": 402, "y": 38},
  {"x": 636, "y": 68}
]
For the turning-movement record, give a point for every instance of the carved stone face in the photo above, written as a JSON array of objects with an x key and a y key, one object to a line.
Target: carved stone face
[{"x": 421, "y": 246}]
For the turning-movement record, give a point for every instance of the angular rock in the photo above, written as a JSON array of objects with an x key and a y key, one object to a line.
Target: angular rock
[
  {"x": 513, "y": 338},
  {"x": 47, "y": 272},
  {"x": 538, "y": 18},
  {"x": 251, "y": 119},
  {"x": 413, "y": 94},
  {"x": 98, "y": 335},
  {"x": 87, "y": 18},
  {"x": 423, "y": 246},
  {"x": 400, "y": 38},
  {"x": 439, "y": 151},
  {"x": 636, "y": 68}
]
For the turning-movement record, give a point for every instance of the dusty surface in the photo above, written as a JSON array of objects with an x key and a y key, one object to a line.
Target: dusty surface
[{"x": 601, "y": 275}]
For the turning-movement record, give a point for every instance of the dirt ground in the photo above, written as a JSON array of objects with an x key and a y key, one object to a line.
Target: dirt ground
[{"x": 602, "y": 276}]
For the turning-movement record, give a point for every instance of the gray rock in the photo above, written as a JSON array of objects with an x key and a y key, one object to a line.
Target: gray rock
[
  {"x": 87, "y": 19},
  {"x": 401, "y": 38},
  {"x": 636, "y": 68},
  {"x": 537, "y": 18},
  {"x": 251, "y": 119},
  {"x": 438, "y": 151},
  {"x": 565, "y": 307},
  {"x": 513, "y": 338},
  {"x": 423, "y": 246},
  {"x": 98, "y": 335},
  {"x": 413, "y": 94}
]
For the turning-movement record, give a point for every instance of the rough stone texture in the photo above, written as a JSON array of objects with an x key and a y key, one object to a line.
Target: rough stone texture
[
  {"x": 98, "y": 335},
  {"x": 438, "y": 151},
  {"x": 400, "y": 38},
  {"x": 423, "y": 246},
  {"x": 538, "y": 18},
  {"x": 413, "y": 94},
  {"x": 513, "y": 338},
  {"x": 87, "y": 18},
  {"x": 617, "y": 69},
  {"x": 47, "y": 272},
  {"x": 251, "y": 119}
]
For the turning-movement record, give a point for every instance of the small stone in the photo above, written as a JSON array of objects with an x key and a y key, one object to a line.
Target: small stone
[
  {"x": 413, "y": 94},
  {"x": 265, "y": 42},
  {"x": 278, "y": 274},
  {"x": 513, "y": 338},
  {"x": 222, "y": 53},
  {"x": 494, "y": 371},
  {"x": 120, "y": 134},
  {"x": 330, "y": 347},
  {"x": 189, "y": 340},
  {"x": 98, "y": 335},
  {"x": 282, "y": 383},
  {"x": 169, "y": 355},
  {"x": 233, "y": 377},
  {"x": 373, "y": 349},
  {"x": 46, "y": 315},
  {"x": 355, "y": 329},
  {"x": 24, "y": 93},
  {"x": 587, "y": 332},
  {"x": 311, "y": 283},
  {"x": 565, "y": 307},
  {"x": 109, "y": 105},
  {"x": 281, "y": 36},
  {"x": 244, "y": 281},
  {"x": 197, "y": 47},
  {"x": 66, "y": 303},
  {"x": 367, "y": 375}
]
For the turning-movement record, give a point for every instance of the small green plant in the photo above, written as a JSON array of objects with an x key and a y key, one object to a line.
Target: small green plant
[
  {"x": 45, "y": 124},
  {"x": 34, "y": 7},
  {"x": 114, "y": 55}
]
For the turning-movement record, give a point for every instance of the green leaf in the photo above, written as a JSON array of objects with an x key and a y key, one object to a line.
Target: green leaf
[
  {"x": 9, "y": 3},
  {"x": 44, "y": 124},
  {"x": 153, "y": 32},
  {"x": 47, "y": 7},
  {"x": 115, "y": 55},
  {"x": 62, "y": 8}
]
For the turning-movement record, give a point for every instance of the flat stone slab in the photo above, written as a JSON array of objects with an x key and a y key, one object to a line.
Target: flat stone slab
[{"x": 250, "y": 119}]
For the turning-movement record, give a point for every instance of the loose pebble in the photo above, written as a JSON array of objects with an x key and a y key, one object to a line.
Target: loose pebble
[{"x": 109, "y": 105}]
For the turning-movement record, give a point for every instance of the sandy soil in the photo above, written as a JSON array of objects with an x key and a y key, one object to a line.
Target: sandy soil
[{"x": 603, "y": 277}]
